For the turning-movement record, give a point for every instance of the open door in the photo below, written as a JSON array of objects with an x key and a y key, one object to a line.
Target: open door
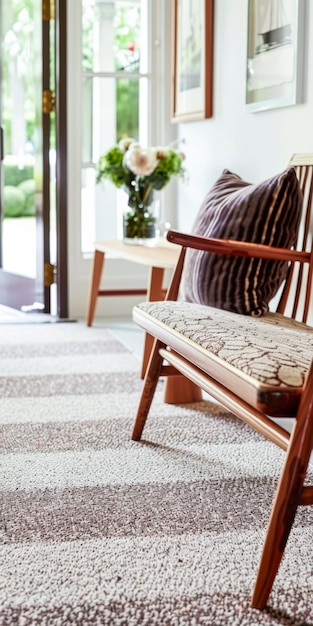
[{"x": 27, "y": 150}]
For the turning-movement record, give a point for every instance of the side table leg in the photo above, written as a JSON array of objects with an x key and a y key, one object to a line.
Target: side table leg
[
  {"x": 97, "y": 267},
  {"x": 154, "y": 293}
]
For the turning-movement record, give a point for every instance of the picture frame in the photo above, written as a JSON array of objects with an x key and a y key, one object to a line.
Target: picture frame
[
  {"x": 274, "y": 74},
  {"x": 192, "y": 60}
]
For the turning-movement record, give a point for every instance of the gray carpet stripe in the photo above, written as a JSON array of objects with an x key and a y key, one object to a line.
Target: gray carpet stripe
[
  {"x": 105, "y": 432},
  {"x": 58, "y": 437},
  {"x": 115, "y": 511}
]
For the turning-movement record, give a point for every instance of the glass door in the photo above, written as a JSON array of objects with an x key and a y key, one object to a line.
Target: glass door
[{"x": 25, "y": 108}]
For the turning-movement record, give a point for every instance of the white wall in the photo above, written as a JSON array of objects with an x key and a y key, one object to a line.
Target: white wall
[{"x": 253, "y": 145}]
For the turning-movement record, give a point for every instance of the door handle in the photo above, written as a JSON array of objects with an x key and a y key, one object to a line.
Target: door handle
[{"x": 1, "y": 143}]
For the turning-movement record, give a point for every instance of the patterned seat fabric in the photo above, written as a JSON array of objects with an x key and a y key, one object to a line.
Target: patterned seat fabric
[{"x": 259, "y": 349}]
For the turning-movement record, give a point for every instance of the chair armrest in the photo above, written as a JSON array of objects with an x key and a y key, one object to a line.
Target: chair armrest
[{"x": 237, "y": 248}]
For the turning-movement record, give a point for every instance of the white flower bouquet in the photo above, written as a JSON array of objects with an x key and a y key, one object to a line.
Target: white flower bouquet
[{"x": 139, "y": 171}]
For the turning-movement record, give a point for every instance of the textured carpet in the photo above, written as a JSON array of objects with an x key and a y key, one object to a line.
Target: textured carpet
[{"x": 96, "y": 529}]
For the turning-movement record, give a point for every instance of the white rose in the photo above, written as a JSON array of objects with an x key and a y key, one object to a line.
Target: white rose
[
  {"x": 140, "y": 161},
  {"x": 124, "y": 143}
]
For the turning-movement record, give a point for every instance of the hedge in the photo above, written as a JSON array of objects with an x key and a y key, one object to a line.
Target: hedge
[{"x": 19, "y": 188}]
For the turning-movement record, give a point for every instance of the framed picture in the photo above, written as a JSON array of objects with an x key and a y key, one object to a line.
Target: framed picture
[
  {"x": 192, "y": 60},
  {"x": 274, "y": 53}
]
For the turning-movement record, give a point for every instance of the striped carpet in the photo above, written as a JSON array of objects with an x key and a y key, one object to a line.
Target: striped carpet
[{"x": 98, "y": 530}]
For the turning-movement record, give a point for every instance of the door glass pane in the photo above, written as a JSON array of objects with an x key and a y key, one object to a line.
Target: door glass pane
[
  {"x": 19, "y": 120},
  {"x": 112, "y": 114},
  {"x": 113, "y": 37},
  {"x": 112, "y": 108},
  {"x": 114, "y": 102}
]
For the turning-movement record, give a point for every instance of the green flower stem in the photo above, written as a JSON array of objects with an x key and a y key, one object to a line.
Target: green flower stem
[
  {"x": 146, "y": 194},
  {"x": 139, "y": 222}
]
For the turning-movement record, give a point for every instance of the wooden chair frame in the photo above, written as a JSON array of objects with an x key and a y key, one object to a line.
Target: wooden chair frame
[{"x": 168, "y": 360}]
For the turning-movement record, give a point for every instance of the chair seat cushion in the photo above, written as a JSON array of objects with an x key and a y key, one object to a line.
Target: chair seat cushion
[
  {"x": 266, "y": 213},
  {"x": 268, "y": 356}
]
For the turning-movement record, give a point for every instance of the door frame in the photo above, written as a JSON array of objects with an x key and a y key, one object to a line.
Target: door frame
[
  {"x": 11, "y": 283},
  {"x": 62, "y": 156}
]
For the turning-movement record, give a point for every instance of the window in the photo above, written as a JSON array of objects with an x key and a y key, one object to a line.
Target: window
[{"x": 116, "y": 87}]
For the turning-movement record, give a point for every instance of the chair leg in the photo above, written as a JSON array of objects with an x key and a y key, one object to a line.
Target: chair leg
[
  {"x": 287, "y": 497},
  {"x": 149, "y": 387}
]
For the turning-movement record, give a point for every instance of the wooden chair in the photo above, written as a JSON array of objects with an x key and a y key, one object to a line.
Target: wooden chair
[{"x": 173, "y": 354}]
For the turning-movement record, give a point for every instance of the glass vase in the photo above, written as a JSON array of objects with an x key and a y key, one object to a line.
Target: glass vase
[{"x": 140, "y": 224}]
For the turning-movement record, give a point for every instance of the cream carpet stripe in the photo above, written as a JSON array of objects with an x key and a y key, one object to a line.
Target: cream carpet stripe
[
  {"x": 67, "y": 348},
  {"x": 38, "y": 334},
  {"x": 135, "y": 465},
  {"x": 188, "y": 565},
  {"x": 46, "y": 366}
]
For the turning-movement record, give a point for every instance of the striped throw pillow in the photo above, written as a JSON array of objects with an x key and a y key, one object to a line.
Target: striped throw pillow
[{"x": 266, "y": 213}]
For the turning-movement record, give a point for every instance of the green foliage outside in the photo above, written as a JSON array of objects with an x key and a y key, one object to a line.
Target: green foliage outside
[
  {"x": 17, "y": 32},
  {"x": 127, "y": 91},
  {"x": 13, "y": 201},
  {"x": 126, "y": 115},
  {"x": 28, "y": 188},
  {"x": 19, "y": 201},
  {"x": 14, "y": 175},
  {"x": 19, "y": 188}
]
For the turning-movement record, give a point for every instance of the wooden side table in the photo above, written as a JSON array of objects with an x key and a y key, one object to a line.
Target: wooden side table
[{"x": 157, "y": 258}]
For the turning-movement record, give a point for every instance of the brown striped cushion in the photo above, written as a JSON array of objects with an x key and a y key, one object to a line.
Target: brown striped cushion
[{"x": 266, "y": 213}]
